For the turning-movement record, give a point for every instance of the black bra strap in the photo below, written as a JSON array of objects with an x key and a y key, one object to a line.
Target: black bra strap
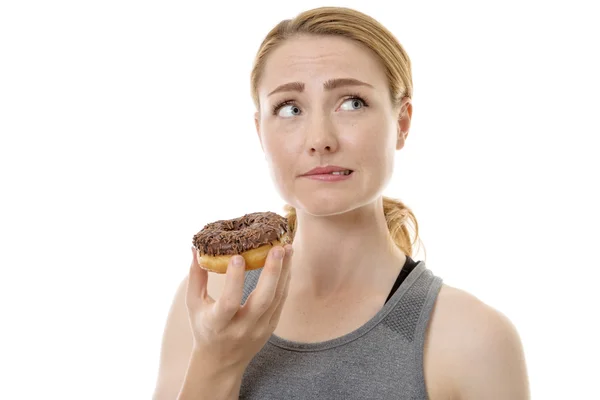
[{"x": 409, "y": 265}]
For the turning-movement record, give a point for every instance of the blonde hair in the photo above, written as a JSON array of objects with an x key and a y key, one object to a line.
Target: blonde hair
[{"x": 354, "y": 25}]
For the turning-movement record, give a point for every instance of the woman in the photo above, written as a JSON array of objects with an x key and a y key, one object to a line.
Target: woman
[{"x": 359, "y": 319}]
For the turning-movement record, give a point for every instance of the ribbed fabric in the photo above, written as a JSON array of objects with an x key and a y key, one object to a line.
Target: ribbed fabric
[{"x": 383, "y": 359}]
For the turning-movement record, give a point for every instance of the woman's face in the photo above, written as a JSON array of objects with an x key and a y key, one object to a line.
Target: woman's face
[{"x": 325, "y": 101}]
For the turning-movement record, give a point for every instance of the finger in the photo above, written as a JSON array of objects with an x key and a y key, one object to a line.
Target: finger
[
  {"x": 283, "y": 281},
  {"x": 231, "y": 298},
  {"x": 196, "y": 292},
  {"x": 274, "y": 317},
  {"x": 262, "y": 296}
]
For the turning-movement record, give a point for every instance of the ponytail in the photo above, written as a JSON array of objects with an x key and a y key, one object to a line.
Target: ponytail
[{"x": 397, "y": 215}]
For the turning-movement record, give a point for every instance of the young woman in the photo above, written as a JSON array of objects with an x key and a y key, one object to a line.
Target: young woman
[{"x": 349, "y": 315}]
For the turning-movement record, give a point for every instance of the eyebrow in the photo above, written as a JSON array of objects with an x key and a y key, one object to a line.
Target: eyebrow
[{"x": 328, "y": 85}]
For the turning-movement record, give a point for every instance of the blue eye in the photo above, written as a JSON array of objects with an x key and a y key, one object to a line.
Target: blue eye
[
  {"x": 356, "y": 103},
  {"x": 292, "y": 109}
]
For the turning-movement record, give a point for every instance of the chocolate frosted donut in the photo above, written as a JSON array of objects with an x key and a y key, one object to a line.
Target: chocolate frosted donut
[{"x": 251, "y": 236}]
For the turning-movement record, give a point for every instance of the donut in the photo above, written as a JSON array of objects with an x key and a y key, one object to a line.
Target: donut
[{"x": 251, "y": 236}]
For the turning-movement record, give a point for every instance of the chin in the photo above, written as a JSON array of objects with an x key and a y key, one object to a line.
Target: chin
[
  {"x": 323, "y": 207},
  {"x": 326, "y": 201}
]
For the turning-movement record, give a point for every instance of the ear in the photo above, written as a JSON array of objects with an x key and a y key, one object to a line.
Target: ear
[
  {"x": 404, "y": 116},
  {"x": 257, "y": 125}
]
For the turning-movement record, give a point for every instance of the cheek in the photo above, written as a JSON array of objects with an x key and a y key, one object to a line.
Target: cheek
[
  {"x": 376, "y": 161},
  {"x": 282, "y": 149},
  {"x": 374, "y": 145},
  {"x": 282, "y": 141}
]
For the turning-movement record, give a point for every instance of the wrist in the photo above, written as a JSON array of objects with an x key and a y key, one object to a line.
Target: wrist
[
  {"x": 207, "y": 379},
  {"x": 215, "y": 363}
]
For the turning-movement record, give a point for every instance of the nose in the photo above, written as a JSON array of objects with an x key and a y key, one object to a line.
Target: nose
[{"x": 322, "y": 138}]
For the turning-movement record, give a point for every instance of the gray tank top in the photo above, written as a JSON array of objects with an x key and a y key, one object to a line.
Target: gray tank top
[{"x": 383, "y": 359}]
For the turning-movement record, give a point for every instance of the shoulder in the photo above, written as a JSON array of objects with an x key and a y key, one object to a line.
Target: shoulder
[{"x": 474, "y": 349}]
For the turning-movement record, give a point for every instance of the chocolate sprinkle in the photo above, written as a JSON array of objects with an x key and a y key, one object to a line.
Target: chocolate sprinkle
[{"x": 234, "y": 236}]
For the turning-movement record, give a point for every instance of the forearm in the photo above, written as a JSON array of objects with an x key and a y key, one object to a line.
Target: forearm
[{"x": 205, "y": 382}]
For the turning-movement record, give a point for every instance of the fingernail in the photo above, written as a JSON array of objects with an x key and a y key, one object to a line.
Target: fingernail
[{"x": 238, "y": 261}]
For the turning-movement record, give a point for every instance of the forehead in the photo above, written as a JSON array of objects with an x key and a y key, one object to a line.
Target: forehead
[{"x": 315, "y": 59}]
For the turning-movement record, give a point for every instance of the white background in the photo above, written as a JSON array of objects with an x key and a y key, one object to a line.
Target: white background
[{"x": 127, "y": 125}]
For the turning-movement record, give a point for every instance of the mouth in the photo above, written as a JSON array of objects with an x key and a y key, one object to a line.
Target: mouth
[
  {"x": 329, "y": 170},
  {"x": 333, "y": 176},
  {"x": 345, "y": 172}
]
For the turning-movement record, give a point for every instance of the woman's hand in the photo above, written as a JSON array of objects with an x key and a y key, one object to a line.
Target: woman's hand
[{"x": 227, "y": 335}]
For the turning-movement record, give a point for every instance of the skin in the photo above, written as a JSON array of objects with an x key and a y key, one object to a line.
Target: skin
[
  {"x": 472, "y": 351},
  {"x": 329, "y": 130},
  {"x": 344, "y": 261}
]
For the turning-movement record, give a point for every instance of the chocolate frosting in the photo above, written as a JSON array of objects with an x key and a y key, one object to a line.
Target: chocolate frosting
[{"x": 234, "y": 236}]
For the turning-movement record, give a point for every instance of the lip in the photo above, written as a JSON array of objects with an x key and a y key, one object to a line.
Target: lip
[{"x": 327, "y": 169}]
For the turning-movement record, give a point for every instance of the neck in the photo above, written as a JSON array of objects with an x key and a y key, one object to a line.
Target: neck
[{"x": 344, "y": 252}]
